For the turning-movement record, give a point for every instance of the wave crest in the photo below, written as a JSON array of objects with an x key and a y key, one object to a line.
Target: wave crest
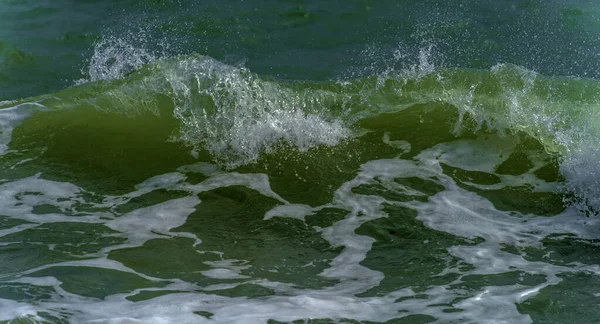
[{"x": 237, "y": 115}]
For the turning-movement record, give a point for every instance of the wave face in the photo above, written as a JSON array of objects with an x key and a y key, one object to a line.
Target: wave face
[{"x": 258, "y": 163}]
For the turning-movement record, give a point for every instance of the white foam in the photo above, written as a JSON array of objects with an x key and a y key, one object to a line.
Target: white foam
[
  {"x": 297, "y": 211},
  {"x": 99, "y": 262},
  {"x": 403, "y": 146},
  {"x": 258, "y": 182},
  {"x": 453, "y": 210},
  {"x": 155, "y": 221},
  {"x": 10, "y": 310},
  {"x": 541, "y": 107},
  {"x": 237, "y": 116},
  {"x": 163, "y": 181},
  {"x": 5, "y": 103},
  {"x": 458, "y": 212},
  {"x": 228, "y": 273},
  {"x": 18, "y": 199},
  {"x": 21, "y": 162},
  {"x": 223, "y": 274},
  {"x": 16, "y": 229}
]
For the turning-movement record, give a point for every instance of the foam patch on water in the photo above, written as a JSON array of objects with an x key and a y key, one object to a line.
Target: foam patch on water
[
  {"x": 156, "y": 221},
  {"x": 180, "y": 308},
  {"x": 12, "y": 310},
  {"x": 290, "y": 210},
  {"x": 223, "y": 274},
  {"x": 468, "y": 215},
  {"x": 453, "y": 210},
  {"x": 18, "y": 199}
]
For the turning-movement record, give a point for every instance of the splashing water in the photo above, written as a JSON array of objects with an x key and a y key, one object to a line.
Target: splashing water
[{"x": 113, "y": 58}]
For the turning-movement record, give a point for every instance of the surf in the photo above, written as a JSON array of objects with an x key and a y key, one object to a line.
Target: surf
[{"x": 238, "y": 117}]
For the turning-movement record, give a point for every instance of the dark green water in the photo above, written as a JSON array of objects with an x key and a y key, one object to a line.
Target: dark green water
[{"x": 299, "y": 162}]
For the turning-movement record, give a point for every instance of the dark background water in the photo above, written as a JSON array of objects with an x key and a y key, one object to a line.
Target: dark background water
[{"x": 45, "y": 45}]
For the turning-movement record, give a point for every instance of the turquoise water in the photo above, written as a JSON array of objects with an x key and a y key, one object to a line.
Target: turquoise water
[{"x": 299, "y": 162}]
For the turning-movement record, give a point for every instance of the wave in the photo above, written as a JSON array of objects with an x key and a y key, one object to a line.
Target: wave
[{"x": 237, "y": 115}]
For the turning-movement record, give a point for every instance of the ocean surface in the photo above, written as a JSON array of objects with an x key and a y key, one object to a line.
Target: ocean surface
[{"x": 297, "y": 161}]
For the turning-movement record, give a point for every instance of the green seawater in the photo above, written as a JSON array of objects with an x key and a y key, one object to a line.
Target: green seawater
[{"x": 299, "y": 162}]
